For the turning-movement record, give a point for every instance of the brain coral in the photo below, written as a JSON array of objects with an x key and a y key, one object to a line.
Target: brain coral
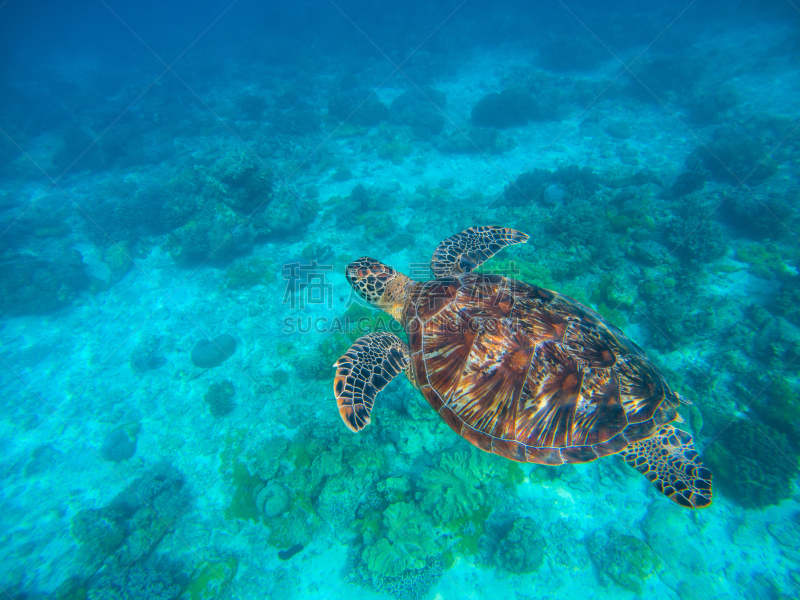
[
  {"x": 522, "y": 549},
  {"x": 118, "y": 445},
  {"x": 211, "y": 353},
  {"x": 220, "y": 398},
  {"x": 272, "y": 500}
]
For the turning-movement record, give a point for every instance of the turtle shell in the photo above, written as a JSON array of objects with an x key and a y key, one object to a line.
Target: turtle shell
[{"x": 530, "y": 374}]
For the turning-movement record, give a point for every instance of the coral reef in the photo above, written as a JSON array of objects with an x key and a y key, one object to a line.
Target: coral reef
[
  {"x": 245, "y": 486},
  {"x": 623, "y": 559},
  {"x": 692, "y": 236},
  {"x": 157, "y": 578},
  {"x": 713, "y": 106},
  {"x": 31, "y": 286},
  {"x": 118, "y": 260},
  {"x": 133, "y": 212},
  {"x": 297, "y": 121},
  {"x": 693, "y": 179},
  {"x": 765, "y": 261},
  {"x": 342, "y": 174},
  {"x": 287, "y": 215},
  {"x": 241, "y": 182},
  {"x": 207, "y": 354},
  {"x": 100, "y": 533},
  {"x": 408, "y": 543},
  {"x": 210, "y": 579},
  {"x": 753, "y": 463},
  {"x": 420, "y": 110},
  {"x": 521, "y": 550},
  {"x": 453, "y": 489},
  {"x": 734, "y": 156},
  {"x": 120, "y": 444},
  {"x": 252, "y": 106},
  {"x": 43, "y": 457},
  {"x": 456, "y": 489},
  {"x": 663, "y": 78},
  {"x": 413, "y": 584},
  {"x": 394, "y": 151},
  {"x": 787, "y": 301},
  {"x": 151, "y": 505},
  {"x": 269, "y": 457},
  {"x": 249, "y": 273},
  {"x": 359, "y": 107},
  {"x": 672, "y": 318},
  {"x": 530, "y": 186},
  {"x": 325, "y": 464},
  {"x": 219, "y": 398},
  {"x": 378, "y": 225},
  {"x": 779, "y": 407},
  {"x": 769, "y": 216},
  {"x": 338, "y": 501},
  {"x": 312, "y": 365},
  {"x": 619, "y": 129},
  {"x": 272, "y": 500},
  {"x": 292, "y": 528},
  {"x": 190, "y": 244},
  {"x": 122, "y": 537},
  {"x": 508, "y": 108},
  {"x": 527, "y": 187}
]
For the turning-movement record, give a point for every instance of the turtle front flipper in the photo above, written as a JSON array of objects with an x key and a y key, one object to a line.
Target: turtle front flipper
[
  {"x": 466, "y": 251},
  {"x": 671, "y": 463},
  {"x": 363, "y": 371}
]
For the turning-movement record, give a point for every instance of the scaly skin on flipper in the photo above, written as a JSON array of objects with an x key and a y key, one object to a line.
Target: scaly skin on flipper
[
  {"x": 466, "y": 251},
  {"x": 363, "y": 371},
  {"x": 670, "y": 462}
]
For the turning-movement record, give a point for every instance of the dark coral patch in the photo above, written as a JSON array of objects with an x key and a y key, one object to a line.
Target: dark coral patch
[{"x": 207, "y": 354}]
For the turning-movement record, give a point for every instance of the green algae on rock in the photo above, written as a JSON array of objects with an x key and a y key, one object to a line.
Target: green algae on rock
[{"x": 210, "y": 579}]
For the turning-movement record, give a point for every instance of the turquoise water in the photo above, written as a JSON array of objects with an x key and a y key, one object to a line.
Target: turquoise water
[{"x": 181, "y": 189}]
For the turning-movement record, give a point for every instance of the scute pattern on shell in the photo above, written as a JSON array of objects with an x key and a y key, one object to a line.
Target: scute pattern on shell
[{"x": 530, "y": 374}]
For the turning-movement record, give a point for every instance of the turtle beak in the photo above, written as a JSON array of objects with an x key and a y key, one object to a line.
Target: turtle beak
[
  {"x": 358, "y": 269},
  {"x": 351, "y": 273}
]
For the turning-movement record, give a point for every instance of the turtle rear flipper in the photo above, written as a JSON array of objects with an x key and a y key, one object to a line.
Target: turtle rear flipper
[
  {"x": 671, "y": 463},
  {"x": 363, "y": 371},
  {"x": 468, "y": 250}
]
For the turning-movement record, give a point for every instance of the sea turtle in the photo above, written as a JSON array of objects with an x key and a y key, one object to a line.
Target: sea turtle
[{"x": 518, "y": 370}]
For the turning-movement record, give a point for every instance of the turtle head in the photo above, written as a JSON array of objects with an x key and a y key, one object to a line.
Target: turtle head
[{"x": 379, "y": 284}]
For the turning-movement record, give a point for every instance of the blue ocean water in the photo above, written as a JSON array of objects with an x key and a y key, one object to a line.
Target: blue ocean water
[{"x": 182, "y": 186}]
